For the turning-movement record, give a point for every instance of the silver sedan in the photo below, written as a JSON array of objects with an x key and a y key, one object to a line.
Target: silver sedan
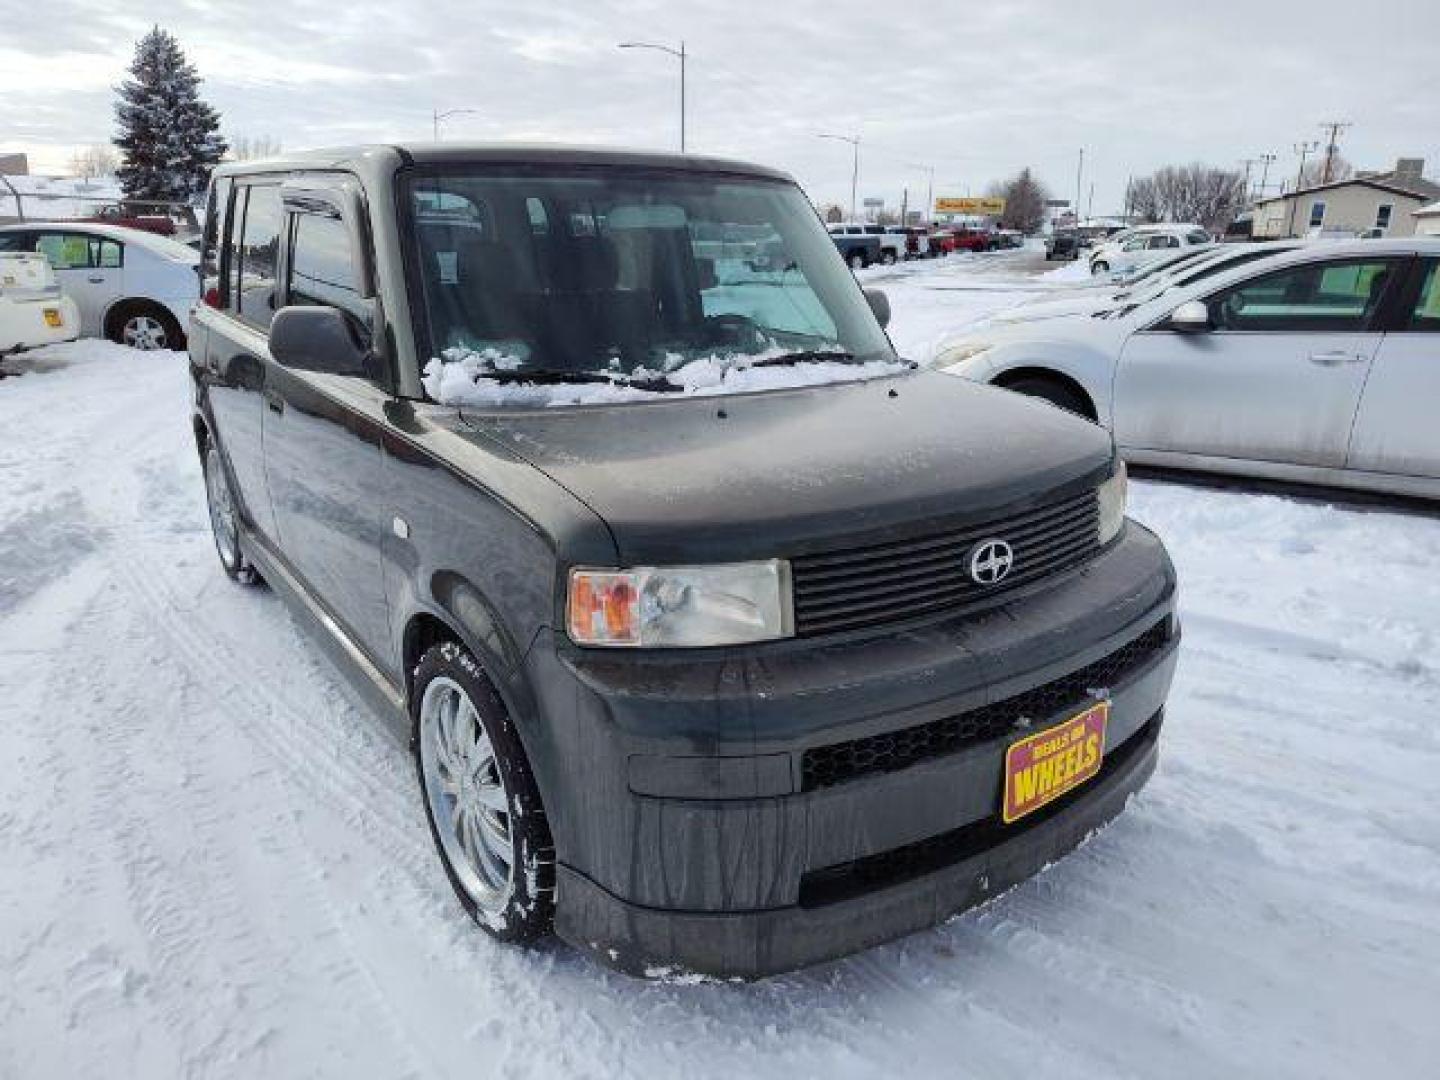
[{"x": 1318, "y": 365}]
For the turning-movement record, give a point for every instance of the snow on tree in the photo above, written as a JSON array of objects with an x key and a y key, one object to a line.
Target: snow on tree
[{"x": 169, "y": 139}]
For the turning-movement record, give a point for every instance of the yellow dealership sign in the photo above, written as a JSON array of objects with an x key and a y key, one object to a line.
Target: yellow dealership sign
[{"x": 989, "y": 204}]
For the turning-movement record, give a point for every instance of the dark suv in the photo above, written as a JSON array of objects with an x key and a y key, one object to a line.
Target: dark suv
[{"x": 723, "y": 639}]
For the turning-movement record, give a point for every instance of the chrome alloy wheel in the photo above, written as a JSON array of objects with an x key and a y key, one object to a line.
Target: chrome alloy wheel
[
  {"x": 467, "y": 796},
  {"x": 144, "y": 332},
  {"x": 222, "y": 510}
]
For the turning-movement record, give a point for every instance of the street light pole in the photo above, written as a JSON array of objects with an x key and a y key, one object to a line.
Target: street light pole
[
  {"x": 680, "y": 55},
  {"x": 854, "y": 142},
  {"x": 436, "y": 116}
]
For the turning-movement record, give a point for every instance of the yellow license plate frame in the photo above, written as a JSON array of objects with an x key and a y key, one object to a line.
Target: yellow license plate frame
[
  {"x": 1042, "y": 767},
  {"x": 53, "y": 318}
]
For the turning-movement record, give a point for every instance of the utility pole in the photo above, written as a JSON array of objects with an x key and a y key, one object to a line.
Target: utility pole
[
  {"x": 1090, "y": 208},
  {"x": 1079, "y": 171},
  {"x": 1265, "y": 160},
  {"x": 1304, "y": 149},
  {"x": 1334, "y": 127},
  {"x": 854, "y": 165},
  {"x": 1247, "y": 162}
]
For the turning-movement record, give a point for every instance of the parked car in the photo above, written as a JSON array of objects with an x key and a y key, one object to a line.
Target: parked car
[
  {"x": 1062, "y": 244},
  {"x": 892, "y": 243},
  {"x": 1314, "y": 365},
  {"x": 33, "y": 311},
  {"x": 1139, "y": 246},
  {"x": 917, "y": 243},
  {"x": 972, "y": 239},
  {"x": 724, "y": 640},
  {"x": 130, "y": 286},
  {"x": 1009, "y": 239}
]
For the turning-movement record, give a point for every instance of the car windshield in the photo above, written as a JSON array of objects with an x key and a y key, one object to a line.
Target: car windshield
[{"x": 633, "y": 274}]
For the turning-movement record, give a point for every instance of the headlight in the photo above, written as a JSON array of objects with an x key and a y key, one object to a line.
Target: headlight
[
  {"x": 960, "y": 353},
  {"x": 1112, "y": 504},
  {"x": 680, "y": 606}
]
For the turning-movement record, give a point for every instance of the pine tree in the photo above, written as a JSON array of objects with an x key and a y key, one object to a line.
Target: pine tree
[{"x": 169, "y": 139}]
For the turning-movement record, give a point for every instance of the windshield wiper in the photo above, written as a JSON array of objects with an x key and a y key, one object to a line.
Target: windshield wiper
[
  {"x": 804, "y": 356},
  {"x": 562, "y": 376}
]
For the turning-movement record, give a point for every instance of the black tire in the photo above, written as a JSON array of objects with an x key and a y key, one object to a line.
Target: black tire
[
  {"x": 887, "y": 258},
  {"x": 121, "y": 326},
  {"x": 1101, "y": 267},
  {"x": 225, "y": 519},
  {"x": 1055, "y": 392},
  {"x": 857, "y": 261},
  {"x": 528, "y": 911}
]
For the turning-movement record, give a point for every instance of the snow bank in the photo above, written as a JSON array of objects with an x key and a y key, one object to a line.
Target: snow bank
[
  {"x": 465, "y": 377},
  {"x": 1076, "y": 270}
]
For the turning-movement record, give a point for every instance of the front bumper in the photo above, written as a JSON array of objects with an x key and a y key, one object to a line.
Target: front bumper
[{"x": 693, "y": 832}]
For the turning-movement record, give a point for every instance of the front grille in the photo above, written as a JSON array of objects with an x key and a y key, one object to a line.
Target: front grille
[
  {"x": 826, "y": 766},
  {"x": 883, "y": 583},
  {"x": 846, "y": 881}
]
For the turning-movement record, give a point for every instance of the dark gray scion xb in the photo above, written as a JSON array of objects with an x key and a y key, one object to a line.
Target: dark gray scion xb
[{"x": 725, "y": 641}]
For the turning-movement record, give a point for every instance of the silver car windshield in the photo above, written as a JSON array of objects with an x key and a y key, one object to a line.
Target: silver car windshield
[{"x": 628, "y": 270}]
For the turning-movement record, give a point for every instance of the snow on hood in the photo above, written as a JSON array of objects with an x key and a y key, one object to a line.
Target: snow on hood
[{"x": 459, "y": 377}]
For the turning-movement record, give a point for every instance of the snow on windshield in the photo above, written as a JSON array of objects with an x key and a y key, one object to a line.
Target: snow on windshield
[{"x": 467, "y": 377}]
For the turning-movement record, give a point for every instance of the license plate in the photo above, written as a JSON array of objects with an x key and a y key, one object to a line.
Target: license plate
[
  {"x": 1042, "y": 767},
  {"x": 53, "y": 317}
]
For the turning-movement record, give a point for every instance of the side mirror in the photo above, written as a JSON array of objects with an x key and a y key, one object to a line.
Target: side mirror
[
  {"x": 1191, "y": 317},
  {"x": 880, "y": 305},
  {"x": 317, "y": 339}
]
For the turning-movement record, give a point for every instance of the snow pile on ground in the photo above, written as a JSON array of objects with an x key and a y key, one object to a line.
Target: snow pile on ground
[
  {"x": 467, "y": 377},
  {"x": 215, "y": 861},
  {"x": 1074, "y": 270}
]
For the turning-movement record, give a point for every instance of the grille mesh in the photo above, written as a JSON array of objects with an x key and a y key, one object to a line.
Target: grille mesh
[
  {"x": 827, "y": 766},
  {"x": 883, "y": 583}
]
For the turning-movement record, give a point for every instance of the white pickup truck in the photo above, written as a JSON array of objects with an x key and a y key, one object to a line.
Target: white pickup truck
[
  {"x": 33, "y": 311},
  {"x": 893, "y": 239}
]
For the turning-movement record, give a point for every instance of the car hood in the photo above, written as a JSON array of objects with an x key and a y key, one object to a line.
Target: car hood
[{"x": 790, "y": 471}]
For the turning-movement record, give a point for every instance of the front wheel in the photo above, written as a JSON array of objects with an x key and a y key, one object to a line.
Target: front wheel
[
  {"x": 856, "y": 261},
  {"x": 146, "y": 327},
  {"x": 483, "y": 805},
  {"x": 1098, "y": 268},
  {"x": 888, "y": 258}
]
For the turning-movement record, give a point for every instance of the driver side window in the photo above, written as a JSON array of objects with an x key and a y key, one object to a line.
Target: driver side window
[{"x": 1332, "y": 297}]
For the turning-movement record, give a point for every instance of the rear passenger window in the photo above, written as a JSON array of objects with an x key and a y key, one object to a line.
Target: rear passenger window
[
  {"x": 322, "y": 267},
  {"x": 210, "y": 247},
  {"x": 254, "y": 267}
]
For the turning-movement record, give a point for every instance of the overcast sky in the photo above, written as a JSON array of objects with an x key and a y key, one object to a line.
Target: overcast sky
[{"x": 974, "y": 89}]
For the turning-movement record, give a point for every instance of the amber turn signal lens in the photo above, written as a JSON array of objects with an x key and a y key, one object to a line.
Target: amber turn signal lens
[{"x": 604, "y": 607}]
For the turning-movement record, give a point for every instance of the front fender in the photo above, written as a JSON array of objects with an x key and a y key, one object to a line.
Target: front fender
[{"x": 1092, "y": 368}]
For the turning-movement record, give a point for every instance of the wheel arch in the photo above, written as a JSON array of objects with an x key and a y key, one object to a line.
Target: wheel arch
[
  {"x": 1021, "y": 372},
  {"x": 123, "y": 305}
]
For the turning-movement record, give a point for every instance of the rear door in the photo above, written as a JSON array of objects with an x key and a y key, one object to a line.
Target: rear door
[
  {"x": 1395, "y": 430},
  {"x": 1277, "y": 379},
  {"x": 234, "y": 317}
]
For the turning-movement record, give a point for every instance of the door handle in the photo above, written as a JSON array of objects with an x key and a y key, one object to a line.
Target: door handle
[
  {"x": 1332, "y": 359},
  {"x": 96, "y": 280},
  {"x": 274, "y": 402}
]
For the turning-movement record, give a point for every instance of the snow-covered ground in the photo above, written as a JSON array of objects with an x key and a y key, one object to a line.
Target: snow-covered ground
[{"x": 213, "y": 860}]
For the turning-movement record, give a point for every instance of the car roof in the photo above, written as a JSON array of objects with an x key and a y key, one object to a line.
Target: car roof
[
  {"x": 161, "y": 245},
  {"x": 460, "y": 153}
]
